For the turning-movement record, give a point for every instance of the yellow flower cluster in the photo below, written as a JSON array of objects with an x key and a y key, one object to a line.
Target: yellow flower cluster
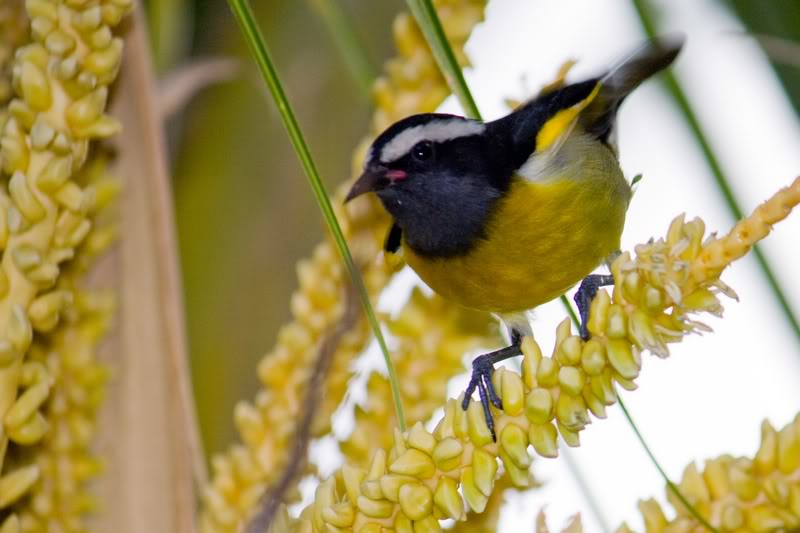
[
  {"x": 241, "y": 476},
  {"x": 432, "y": 338},
  {"x": 738, "y": 494},
  {"x": 61, "y": 80},
  {"x": 416, "y": 483}
]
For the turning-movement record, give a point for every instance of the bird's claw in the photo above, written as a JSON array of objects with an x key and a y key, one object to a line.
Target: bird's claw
[
  {"x": 482, "y": 370},
  {"x": 586, "y": 293}
]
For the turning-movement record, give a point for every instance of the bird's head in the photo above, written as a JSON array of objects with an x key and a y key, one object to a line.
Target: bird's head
[{"x": 437, "y": 175}]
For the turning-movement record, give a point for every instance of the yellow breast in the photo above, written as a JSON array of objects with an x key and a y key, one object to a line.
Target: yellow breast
[{"x": 542, "y": 239}]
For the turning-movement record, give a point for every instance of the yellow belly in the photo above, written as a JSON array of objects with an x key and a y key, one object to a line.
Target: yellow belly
[{"x": 542, "y": 239}]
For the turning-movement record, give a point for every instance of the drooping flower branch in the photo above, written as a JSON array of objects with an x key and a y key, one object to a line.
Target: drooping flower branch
[
  {"x": 48, "y": 235},
  {"x": 428, "y": 476}
]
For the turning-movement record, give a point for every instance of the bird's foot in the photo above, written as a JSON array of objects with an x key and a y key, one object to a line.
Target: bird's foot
[
  {"x": 586, "y": 293},
  {"x": 482, "y": 370}
]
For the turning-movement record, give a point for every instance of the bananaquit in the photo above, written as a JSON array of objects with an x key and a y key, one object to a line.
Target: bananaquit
[{"x": 506, "y": 215}]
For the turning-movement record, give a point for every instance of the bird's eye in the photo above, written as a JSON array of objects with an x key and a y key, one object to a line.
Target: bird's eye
[{"x": 422, "y": 151}]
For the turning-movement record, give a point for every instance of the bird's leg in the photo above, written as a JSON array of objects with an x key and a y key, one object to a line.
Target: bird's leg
[
  {"x": 585, "y": 295},
  {"x": 482, "y": 370}
]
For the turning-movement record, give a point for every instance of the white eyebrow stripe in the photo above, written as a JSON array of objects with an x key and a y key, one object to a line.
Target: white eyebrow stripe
[{"x": 436, "y": 131}]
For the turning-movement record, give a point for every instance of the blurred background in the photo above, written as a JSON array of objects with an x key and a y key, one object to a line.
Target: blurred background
[{"x": 245, "y": 214}]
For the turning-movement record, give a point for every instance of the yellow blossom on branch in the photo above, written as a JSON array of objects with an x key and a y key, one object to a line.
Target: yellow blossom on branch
[
  {"x": 741, "y": 494},
  {"x": 61, "y": 81},
  {"x": 429, "y": 476}
]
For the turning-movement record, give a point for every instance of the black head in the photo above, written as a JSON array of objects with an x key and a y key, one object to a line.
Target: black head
[{"x": 439, "y": 176}]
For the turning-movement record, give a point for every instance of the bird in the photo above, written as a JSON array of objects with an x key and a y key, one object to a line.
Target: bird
[{"x": 506, "y": 215}]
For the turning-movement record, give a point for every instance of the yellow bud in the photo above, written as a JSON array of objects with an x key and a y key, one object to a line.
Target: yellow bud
[
  {"x": 88, "y": 19},
  {"x": 571, "y": 412},
  {"x": 45, "y": 275},
  {"x": 514, "y": 441},
  {"x": 35, "y": 87},
  {"x": 624, "y": 358},
  {"x": 519, "y": 476},
  {"x": 390, "y": 485},
  {"x": 402, "y": 524},
  {"x": 31, "y": 431},
  {"x": 447, "y": 454},
  {"x": 597, "y": 407},
  {"x": 539, "y": 407},
  {"x": 598, "y": 312},
  {"x": 352, "y": 478},
  {"x": 24, "y": 198},
  {"x": 101, "y": 38},
  {"x": 572, "y": 438},
  {"x": 484, "y": 470},
  {"x": 532, "y": 356},
  {"x": 41, "y": 133},
  {"x": 374, "y": 508},
  {"x": 626, "y": 384},
  {"x": 460, "y": 424},
  {"x": 563, "y": 330},
  {"x": 26, "y": 257},
  {"x": 617, "y": 326},
  {"x": 513, "y": 393},
  {"x": 569, "y": 351},
  {"x": 547, "y": 373},
  {"x": 788, "y": 449},
  {"x": 732, "y": 517},
  {"x": 593, "y": 357},
  {"x": 479, "y": 432},
  {"x": 777, "y": 490},
  {"x": 767, "y": 455},
  {"x": 105, "y": 63},
  {"x": 17, "y": 483},
  {"x": 447, "y": 499},
  {"x": 603, "y": 387},
  {"x": 544, "y": 437},
  {"x": 8, "y": 354},
  {"x": 20, "y": 332},
  {"x": 416, "y": 501},
  {"x": 743, "y": 484},
  {"x": 762, "y": 518},
  {"x": 414, "y": 463},
  {"x": 59, "y": 43},
  {"x": 377, "y": 467},
  {"x": 70, "y": 196},
  {"x": 420, "y": 439},
  {"x": 44, "y": 310},
  {"x": 102, "y": 128},
  {"x": 571, "y": 380},
  {"x": 475, "y": 499},
  {"x": 26, "y": 405},
  {"x": 428, "y": 524},
  {"x": 702, "y": 300},
  {"x": 86, "y": 110},
  {"x": 654, "y": 519},
  {"x": 716, "y": 478}
]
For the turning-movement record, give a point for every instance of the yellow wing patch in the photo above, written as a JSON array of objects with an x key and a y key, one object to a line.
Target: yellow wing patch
[{"x": 561, "y": 123}]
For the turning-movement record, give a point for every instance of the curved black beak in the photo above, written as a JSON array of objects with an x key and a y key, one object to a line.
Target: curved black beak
[{"x": 373, "y": 179}]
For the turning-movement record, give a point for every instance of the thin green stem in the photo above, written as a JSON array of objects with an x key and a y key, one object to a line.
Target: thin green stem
[
  {"x": 256, "y": 43},
  {"x": 672, "y": 486},
  {"x": 432, "y": 29},
  {"x": 340, "y": 25},
  {"x": 714, "y": 166}
]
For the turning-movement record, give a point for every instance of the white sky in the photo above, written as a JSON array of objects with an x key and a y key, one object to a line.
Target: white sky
[{"x": 711, "y": 395}]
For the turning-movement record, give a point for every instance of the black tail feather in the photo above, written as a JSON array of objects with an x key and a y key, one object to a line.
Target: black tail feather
[{"x": 651, "y": 58}]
